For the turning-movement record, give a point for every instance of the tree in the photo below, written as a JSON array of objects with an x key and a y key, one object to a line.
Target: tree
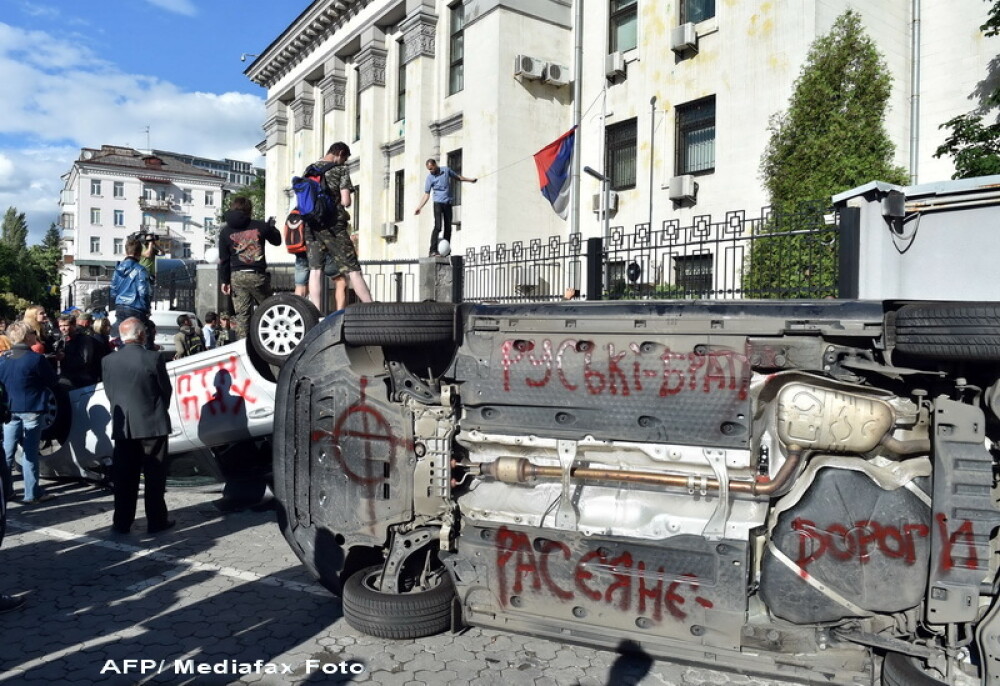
[
  {"x": 831, "y": 138},
  {"x": 46, "y": 261},
  {"x": 974, "y": 141},
  {"x": 15, "y": 229}
]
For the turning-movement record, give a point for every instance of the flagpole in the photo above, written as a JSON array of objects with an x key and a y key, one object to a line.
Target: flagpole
[{"x": 574, "y": 198}]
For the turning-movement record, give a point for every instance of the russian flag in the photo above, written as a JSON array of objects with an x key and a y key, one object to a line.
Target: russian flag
[{"x": 553, "y": 163}]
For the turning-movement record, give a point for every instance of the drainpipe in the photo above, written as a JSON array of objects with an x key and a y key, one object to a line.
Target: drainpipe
[
  {"x": 652, "y": 157},
  {"x": 574, "y": 190},
  {"x": 914, "y": 91}
]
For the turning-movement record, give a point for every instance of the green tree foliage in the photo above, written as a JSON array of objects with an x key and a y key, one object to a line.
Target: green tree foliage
[
  {"x": 28, "y": 275},
  {"x": 831, "y": 138},
  {"x": 973, "y": 140}
]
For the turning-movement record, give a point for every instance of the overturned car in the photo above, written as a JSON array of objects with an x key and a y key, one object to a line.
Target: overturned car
[{"x": 805, "y": 489}]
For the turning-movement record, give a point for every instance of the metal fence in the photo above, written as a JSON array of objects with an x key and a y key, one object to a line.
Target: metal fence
[{"x": 388, "y": 281}]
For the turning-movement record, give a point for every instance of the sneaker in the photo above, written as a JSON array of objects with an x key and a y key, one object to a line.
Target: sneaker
[
  {"x": 43, "y": 498},
  {"x": 9, "y": 603}
]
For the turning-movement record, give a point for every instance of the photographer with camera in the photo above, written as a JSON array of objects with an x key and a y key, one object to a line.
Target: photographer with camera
[{"x": 131, "y": 285}]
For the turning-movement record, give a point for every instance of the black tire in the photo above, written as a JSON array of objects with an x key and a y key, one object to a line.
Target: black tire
[
  {"x": 948, "y": 330},
  {"x": 57, "y": 417},
  {"x": 397, "y": 615},
  {"x": 279, "y": 324},
  {"x": 905, "y": 670},
  {"x": 399, "y": 323}
]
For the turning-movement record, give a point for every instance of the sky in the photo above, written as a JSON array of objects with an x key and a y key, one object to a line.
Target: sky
[{"x": 76, "y": 74}]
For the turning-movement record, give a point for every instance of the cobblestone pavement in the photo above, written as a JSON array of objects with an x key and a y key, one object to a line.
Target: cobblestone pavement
[{"x": 221, "y": 588}]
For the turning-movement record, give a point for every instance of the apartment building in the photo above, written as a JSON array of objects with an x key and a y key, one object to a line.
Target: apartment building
[
  {"x": 237, "y": 173},
  {"x": 112, "y": 192},
  {"x": 672, "y": 99}
]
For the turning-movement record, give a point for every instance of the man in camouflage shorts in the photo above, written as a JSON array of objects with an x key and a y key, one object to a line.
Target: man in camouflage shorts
[{"x": 335, "y": 240}]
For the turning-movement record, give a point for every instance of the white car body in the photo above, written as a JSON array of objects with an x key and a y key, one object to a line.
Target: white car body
[{"x": 218, "y": 398}]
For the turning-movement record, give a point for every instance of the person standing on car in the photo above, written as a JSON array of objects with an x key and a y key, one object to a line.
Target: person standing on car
[
  {"x": 242, "y": 264},
  {"x": 27, "y": 376},
  {"x": 187, "y": 340},
  {"x": 78, "y": 355},
  {"x": 139, "y": 392},
  {"x": 335, "y": 239},
  {"x": 439, "y": 183},
  {"x": 131, "y": 286}
]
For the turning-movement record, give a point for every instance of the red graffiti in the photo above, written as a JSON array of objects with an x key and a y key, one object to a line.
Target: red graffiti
[
  {"x": 215, "y": 388},
  {"x": 579, "y": 365},
  {"x": 617, "y": 581},
  {"x": 862, "y": 540}
]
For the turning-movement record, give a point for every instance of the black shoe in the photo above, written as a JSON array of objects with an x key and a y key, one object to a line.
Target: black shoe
[
  {"x": 9, "y": 603},
  {"x": 169, "y": 524},
  {"x": 121, "y": 530}
]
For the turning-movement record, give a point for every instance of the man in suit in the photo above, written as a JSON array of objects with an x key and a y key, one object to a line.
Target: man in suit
[{"x": 139, "y": 391}]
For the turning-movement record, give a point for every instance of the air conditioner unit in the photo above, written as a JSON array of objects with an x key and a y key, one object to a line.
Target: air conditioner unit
[
  {"x": 388, "y": 230},
  {"x": 684, "y": 38},
  {"x": 556, "y": 74},
  {"x": 683, "y": 188},
  {"x": 614, "y": 66},
  {"x": 612, "y": 201},
  {"x": 528, "y": 67}
]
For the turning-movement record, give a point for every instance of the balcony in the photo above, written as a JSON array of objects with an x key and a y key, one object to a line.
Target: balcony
[{"x": 147, "y": 205}]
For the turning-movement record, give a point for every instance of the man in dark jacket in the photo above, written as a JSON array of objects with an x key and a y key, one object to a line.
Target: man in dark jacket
[
  {"x": 139, "y": 390},
  {"x": 131, "y": 286},
  {"x": 79, "y": 355},
  {"x": 242, "y": 265},
  {"x": 26, "y": 375}
]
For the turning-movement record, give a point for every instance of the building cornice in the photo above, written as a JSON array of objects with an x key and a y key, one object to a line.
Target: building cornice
[{"x": 446, "y": 125}]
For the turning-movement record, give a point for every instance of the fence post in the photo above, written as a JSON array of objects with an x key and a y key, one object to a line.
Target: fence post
[
  {"x": 849, "y": 247},
  {"x": 595, "y": 268},
  {"x": 457, "y": 278}
]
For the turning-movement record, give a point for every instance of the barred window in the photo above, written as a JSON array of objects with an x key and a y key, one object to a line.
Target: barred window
[
  {"x": 693, "y": 273},
  {"x": 696, "y": 136},
  {"x": 622, "y": 27},
  {"x": 619, "y": 154},
  {"x": 697, "y": 10},
  {"x": 456, "y": 54}
]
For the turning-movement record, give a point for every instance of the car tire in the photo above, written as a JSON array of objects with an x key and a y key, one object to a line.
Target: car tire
[
  {"x": 947, "y": 330},
  {"x": 397, "y": 615},
  {"x": 279, "y": 324},
  {"x": 399, "y": 323},
  {"x": 905, "y": 670},
  {"x": 57, "y": 416}
]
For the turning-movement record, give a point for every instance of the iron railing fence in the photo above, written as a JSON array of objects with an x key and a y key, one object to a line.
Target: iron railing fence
[
  {"x": 388, "y": 281},
  {"x": 548, "y": 269}
]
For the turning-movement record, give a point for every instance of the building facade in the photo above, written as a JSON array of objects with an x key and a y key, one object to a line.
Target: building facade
[
  {"x": 113, "y": 192},
  {"x": 238, "y": 174},
  {"x": 673, "y": 99}
]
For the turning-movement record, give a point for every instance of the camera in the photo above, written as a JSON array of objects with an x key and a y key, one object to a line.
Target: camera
[{"x": 145, "y": 237}]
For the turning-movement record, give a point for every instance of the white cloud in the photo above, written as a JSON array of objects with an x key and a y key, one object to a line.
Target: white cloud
[
  {"x": 59, "y": 97},
  {"x": 185, "y": 7}
]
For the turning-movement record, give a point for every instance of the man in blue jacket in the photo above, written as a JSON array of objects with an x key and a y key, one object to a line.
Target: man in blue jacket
[
  {"x": 27, "y": 376},
  {"x": 131, "y": 286}
]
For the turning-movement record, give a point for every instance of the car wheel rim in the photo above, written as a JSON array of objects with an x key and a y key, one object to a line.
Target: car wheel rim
[
  {"x": 51, "y": 410},
  {"x": 282, "y": 328}
]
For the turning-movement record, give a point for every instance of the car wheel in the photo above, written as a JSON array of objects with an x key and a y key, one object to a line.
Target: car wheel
[
  {"x": 905, "y": 670},
  {"x": 951, "y": 331},
  {"x": 399, "y": 323},
  {"x": 279, "y": 324},
  {"x": 419, "y": 612},
  {"x": 57, "y": 416}
]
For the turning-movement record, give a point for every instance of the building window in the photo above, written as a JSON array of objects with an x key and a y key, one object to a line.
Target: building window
[
  {"x": 620, "y": 151},
  {"x": 399, "y": 196},
  {"x": 185, "y": 250},
  {"x": 456, "y": 54},
  {"x": 209, "y": 223},
  {"x": 697, "y": 10},
  {"x": 95, "y": 244},
  {"x": 119, "y": 189},
  {"x": 68, "y": 221},
  {"x": 186, "y": 224},
  {"x": 400, "y": 84},
  {"x": 119, "y": 246},
  {"x": 357, "y": 105},
  {"x": 94, "y": 271},
  {"x": 187, "y": 197},
  {"x": 210, "y": 198},
  {"x": 454, "y": 162},
  {"x": 696, "y": 136},
  {"x": 119, "y": 217},
  {"x": 622, "y": 26},
  {"x": 693, "y": 273},
  {"x": 95, "y": 215},
  {"x": 95, "y": 187}
]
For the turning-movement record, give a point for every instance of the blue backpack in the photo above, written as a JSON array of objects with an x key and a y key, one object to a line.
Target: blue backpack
[{"x": 312, "y": 197}]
